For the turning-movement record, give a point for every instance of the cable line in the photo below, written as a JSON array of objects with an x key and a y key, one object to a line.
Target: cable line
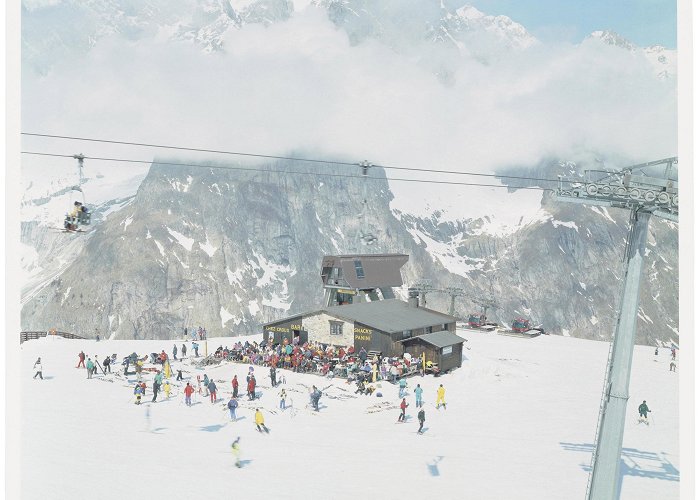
[
  {"x": 252, "y": 169},
  {"x": 275, "y": 157}
]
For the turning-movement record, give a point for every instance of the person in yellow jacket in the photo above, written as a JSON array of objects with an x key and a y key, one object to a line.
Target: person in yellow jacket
[
  {"x": 441, "y": 397},
  {"x": 260, "y": 421},
  {"x": 236, "y": 450},
  {"x": 166, "y": 388}
]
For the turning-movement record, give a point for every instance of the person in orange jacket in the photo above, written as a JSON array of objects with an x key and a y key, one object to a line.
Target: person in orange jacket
[{"x": 188, "y": 394}]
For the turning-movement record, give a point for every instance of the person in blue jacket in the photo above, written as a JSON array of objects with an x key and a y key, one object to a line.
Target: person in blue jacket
[
  {"x": 232, "y": 405},
  {"x": 402, "y": 387},
  {"x": 419, "y": 396}
]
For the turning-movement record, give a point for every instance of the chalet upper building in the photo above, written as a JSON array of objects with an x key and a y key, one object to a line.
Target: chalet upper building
[{"x": 348, "y": 279}]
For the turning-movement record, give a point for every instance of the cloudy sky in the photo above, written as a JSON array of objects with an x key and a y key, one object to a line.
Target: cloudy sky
[{"x": 302, "y": 86}]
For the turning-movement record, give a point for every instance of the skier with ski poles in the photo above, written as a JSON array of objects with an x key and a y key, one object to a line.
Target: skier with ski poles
[{"x": 402, "y": 415}]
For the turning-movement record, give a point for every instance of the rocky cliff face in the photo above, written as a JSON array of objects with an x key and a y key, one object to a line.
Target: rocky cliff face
[{"x": 232, "y": 249}]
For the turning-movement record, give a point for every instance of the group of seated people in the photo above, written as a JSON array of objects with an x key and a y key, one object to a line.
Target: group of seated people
[{"x": 326, "y": 360}]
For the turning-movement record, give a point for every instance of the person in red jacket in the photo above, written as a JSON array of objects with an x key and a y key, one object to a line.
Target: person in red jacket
[
  {"x": 404, "y": 405},
  {"x": 251, "y": 388},
  {"x": 188, "y": 394},
  {"x": 234, "y": 383},
  {"x": 81, "y": 361}
]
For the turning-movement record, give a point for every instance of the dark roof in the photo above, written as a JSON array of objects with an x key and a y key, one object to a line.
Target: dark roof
[
  {"x": 439, "y": 339},
  {"x": 381, "y": 270},
  {"x": 390, "y": 316},
  {"x": 283, "y": 320}
]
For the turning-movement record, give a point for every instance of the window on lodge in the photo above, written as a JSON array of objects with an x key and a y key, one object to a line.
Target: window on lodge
[
  {"x": 359, "y": 270},
  {"x": 336, "y": 328},
  {"x": 406, "y": 334},
  {"x": 428, "y": 329}
]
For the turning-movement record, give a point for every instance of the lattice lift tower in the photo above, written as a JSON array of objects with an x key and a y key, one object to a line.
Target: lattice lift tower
[{"x": 644, "y": 195}]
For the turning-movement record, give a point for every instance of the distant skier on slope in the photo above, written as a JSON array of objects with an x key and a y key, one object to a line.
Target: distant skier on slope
[
  {"x": 421, "y": 419},
  {"x": 188, "y": 394},
  {"x": 37, "y": 369},
  {"x": 419, "y": 396},
  {"x": 402, "y": 415},
  {"x": 236, "y": 450},
  {"x": 315, "y": 397},
  {"x": 234, "y": 384},
  {"x": 441, "y": 397},
  {"x": 90, "y": 367},
  {"x": 251, "y": 388},
  {"x": 643, "y": 410},
  {"x": 212, "y": 391},
  {"x": 260, "y": 421},
  {"x": 81, "y": 360},
  {"x": 232, "y": 405},
  {"x": 174, "y": 352},
  {"x": 402, "y": 387},
  {"x": 106, "y": 363},
  {"x": 184, "y": 350},
  {"x": 283, "y": 399},
  {"x": 672, "y": 366}
]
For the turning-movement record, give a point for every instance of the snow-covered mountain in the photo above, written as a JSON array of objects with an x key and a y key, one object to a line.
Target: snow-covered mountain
[{"x": 487, "y": 240}]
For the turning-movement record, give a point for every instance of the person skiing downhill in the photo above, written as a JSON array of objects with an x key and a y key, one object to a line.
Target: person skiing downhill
[
  {"x": 441, "y": 397},
  {"x": 402, "y": 415},
  {"x": 643, "y": 409},
  {"x": 421, "y": 419},
  {"x": 419, "y": 396},
  {"x": 188, "y": 394},
  {"x": 37, "y": 369},
  {"x": 260, "y": 421},
  {"x": 232, "y": 405},
  {"x": 236, "y": 450}
]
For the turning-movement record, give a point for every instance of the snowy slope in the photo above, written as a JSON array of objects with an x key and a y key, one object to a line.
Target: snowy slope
[{"x": 520, "y": 424}]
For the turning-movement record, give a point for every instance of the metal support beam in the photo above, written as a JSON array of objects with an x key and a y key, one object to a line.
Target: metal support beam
[{"x": 605, "y": 475}]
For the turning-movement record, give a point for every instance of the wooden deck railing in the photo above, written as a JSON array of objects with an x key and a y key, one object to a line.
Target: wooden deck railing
[{"x": 23, "y": 336}]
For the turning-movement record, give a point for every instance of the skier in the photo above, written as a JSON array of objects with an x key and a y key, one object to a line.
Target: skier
[
  {"x": 206, "y": 385},
  {"x": 402, "y": 387},
  {"x": 81, "y": 358},
  {"x": 174, "y": 352},
  {"x": 283, "y": 400},
  {"x": 260, "y": 421},
  {"x": 441, "y": 397},
  {"x": 212, "y": 391},
  {"x": 106, "y": 363},
  {"x": 179, "y": 375},
  {"x": 673, "y": 353},
  {"x": 138, "y": 392},
  {"x": 315, "y": 397},
  {"x": 232, "y": 405},
  {"x": 90, "y": 366},
  {"x": 643, "y": 409},
  {"x": 251, "y": 388},
  {"x": 402, "y": 415},
  {"x": 184, "y": 349},
  {"x": 195, "y": 346},
  {"x": 166, "y": 388},
  {"x": 419, "y": 396},
  {"x": 672, "y": 367},
  {"x": 421, "y": 419},
  {"x": 236, "y": 450},
  {"x": 156, "y": 386},
  {"x": 234, "y": 384},
  {"x": 656, "y": 351},
  {"x": 273, "y": 376},
  {"x": 37, "y": 368},
  {"x": 188, "y": 394}
]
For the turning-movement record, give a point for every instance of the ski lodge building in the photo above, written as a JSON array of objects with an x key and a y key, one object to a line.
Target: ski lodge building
[{"x": 361, "y": 311}]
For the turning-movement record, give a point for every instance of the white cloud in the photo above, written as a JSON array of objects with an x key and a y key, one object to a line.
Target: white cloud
[{"x": 299, "y": 85}]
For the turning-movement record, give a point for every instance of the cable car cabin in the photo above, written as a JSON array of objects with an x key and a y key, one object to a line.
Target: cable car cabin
[
  {"x": 78, "y": 216},
  {"x": 521, "y": 325}
]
